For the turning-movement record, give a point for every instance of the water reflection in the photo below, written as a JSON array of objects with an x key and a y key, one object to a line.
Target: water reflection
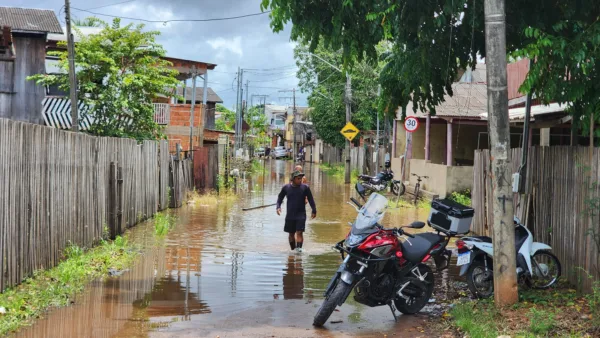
[{"x": 219, "y": 262}]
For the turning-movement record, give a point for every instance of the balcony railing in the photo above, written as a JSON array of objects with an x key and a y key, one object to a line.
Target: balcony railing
[{"x": 162, "y": 113}]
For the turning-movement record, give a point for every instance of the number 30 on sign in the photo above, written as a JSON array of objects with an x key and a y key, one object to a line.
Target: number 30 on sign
[{"x": 411, "y": 124}]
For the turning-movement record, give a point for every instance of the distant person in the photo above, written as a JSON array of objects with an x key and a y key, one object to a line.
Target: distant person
[{"x": 295, "y": 218}]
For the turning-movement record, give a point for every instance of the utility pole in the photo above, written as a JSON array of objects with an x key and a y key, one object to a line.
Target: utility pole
[
  {"x": 348, "y": 117},
  {"x": 193, "y": 103},
  {"x": 204, "y": 109},
  {"x": 294, "y": 147},
  {"x": 72, "y": 74},
  {"x": 505, "y": 270}
]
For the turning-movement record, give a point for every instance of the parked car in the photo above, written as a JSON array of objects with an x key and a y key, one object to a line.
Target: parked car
[
  {"x": 259, "y": 152},
  {"x": 279, "y": 152}
]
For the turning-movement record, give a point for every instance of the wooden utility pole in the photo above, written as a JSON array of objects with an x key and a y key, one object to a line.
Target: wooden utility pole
[
  {"x": 505, "y": 271},
  {"x": 72, "y": 75},
  {"x": 204, "y": 117},
  {"x": 348, "y": 118},
  {"x": 192, "y": 106}
]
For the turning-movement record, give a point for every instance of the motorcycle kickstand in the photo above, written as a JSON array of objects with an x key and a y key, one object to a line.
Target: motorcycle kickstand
[{"x": 393, "y": 308}]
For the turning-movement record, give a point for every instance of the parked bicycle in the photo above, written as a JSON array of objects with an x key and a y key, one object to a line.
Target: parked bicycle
[{"x": 418, "y": 186}]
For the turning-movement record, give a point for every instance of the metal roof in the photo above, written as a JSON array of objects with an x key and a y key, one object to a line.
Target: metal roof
[
  {"x": 211, "y": 97},
  {"x": 469, "y": 99},
  {"x": 30, "y": 20}
]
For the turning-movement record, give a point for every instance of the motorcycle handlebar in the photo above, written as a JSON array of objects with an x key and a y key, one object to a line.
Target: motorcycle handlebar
[
  {"x": 399, "y": 231},
  {"x": 355, "y": 202}
]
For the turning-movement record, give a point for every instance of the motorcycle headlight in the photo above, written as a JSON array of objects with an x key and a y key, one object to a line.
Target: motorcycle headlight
[{"x": 354, "y": 240}]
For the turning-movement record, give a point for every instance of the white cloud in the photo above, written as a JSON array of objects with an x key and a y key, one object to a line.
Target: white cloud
[{"x": 233, "y": 45}]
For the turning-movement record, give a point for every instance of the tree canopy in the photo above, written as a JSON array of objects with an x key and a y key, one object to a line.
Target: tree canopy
[
  {"x": 119, "y": 73},
  {"x": 432, "y": 40},
  {"x": 326, "y": 88},
  {"x": 227, "y": 119}
]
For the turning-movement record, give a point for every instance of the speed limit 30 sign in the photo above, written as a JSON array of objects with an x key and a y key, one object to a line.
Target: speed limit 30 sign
[{"x": 411, "y": 124}]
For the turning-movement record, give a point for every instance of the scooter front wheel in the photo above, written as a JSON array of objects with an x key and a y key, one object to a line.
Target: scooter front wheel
[
  {"x": 546, "y": 270},
  {"x": 331, "y": 302}
]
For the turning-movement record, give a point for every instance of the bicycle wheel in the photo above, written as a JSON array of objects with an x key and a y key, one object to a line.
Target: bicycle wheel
[{"x": 417, "y": 188}]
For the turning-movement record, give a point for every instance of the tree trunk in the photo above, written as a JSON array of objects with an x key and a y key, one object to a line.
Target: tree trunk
[{"x": 505, "y": 277}]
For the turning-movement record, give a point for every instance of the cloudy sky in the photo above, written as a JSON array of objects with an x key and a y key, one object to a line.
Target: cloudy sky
[{"x": 247, "y": 42}]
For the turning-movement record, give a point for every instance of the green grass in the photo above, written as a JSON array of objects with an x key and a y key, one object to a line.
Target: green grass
[
  {"x": 163, "y": 223},
  {"x": 256, "y": 166},
  {"x": 57, "y": 286},
  {"x": 476, "y": 321},
  {"x": 540, "y": 321}
]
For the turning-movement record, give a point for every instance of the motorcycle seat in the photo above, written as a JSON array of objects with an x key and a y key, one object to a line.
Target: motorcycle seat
[
  {"x": 484, "y": 239},
  {"x": 421, "y": 245}
]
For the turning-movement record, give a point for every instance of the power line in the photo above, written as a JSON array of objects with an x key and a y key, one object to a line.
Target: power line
[
  {"x": 174, "y": 20},
  {"x": 115, "y": 4}
]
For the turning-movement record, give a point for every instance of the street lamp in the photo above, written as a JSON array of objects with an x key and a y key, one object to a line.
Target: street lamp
[{"x": 348, "y": 99}]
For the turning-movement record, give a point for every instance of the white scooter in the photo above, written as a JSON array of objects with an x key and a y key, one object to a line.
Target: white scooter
[{"x": 536, "y": 265}]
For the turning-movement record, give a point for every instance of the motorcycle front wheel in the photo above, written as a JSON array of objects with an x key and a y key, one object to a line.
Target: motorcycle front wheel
[
  {"x": 418, "y": 291},
  {"x": 331, "y": 302},
  {"x": 398, "y": 188}
]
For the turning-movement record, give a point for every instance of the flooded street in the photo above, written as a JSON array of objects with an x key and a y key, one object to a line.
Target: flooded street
[{"x": 229, "y": 273}]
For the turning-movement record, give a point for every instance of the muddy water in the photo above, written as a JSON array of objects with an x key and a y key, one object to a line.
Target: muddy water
[{"x": 227, "y": 272}]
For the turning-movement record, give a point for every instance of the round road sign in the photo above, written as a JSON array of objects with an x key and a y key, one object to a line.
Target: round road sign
[{"x": 411, "y": 124}]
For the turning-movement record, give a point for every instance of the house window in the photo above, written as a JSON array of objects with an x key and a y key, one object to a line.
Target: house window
[{"x": 54, "y": 90}]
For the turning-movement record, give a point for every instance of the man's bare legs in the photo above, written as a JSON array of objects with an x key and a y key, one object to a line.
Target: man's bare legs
[
  {"x": 299, "y": 239},
  {"x": 292, "y": 241}
]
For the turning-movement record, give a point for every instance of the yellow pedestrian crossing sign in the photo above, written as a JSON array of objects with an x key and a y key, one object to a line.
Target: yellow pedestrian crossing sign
[{"x": 349, "y": 131}]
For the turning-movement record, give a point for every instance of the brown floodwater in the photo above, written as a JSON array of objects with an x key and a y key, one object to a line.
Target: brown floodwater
[{"x": 226, "y": 272}]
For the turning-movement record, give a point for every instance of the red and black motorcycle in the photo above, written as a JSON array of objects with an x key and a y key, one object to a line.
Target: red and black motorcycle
[{"x": 380, "y": 268}]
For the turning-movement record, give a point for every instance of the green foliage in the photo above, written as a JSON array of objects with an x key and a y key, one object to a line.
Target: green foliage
[
  {"x": 433, "y": 41},
  {"x": 58, "y": 286},
  {"x": 540, "y": 321},
  {"x": 227, "y": 120},
  {"x": 119, "y": 73},
  {"x": 566, "y": 70},
  {"x": 326, "y": 86},
  {"x": 463, "y": 197},
  {"x": 86, "y": 22},
  {"x": 163, "y": 223}
]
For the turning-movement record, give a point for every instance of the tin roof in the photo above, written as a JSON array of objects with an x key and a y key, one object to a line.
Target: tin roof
[
  {"x": 30, "y": 20},
  {"x": 211, "y": 95}
]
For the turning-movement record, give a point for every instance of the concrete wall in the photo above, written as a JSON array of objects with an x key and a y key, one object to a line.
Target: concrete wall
[
  {"x": 459, "y": 178},
  {"x": 442, "y": 180},
  {"x": 437, "y": 176}
]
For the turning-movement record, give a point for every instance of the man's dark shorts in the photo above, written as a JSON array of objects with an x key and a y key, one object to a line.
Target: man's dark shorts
[{"x": 294, "y": 225}]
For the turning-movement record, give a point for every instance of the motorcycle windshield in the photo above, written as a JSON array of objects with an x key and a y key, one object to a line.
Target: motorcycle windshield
[{"x": 369, "y": 215}]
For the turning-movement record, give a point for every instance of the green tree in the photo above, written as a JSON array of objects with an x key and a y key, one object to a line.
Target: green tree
[
  {"x": 227, "y": 119},
  {"x": 326, "y": 88},
  {"x": 87, "y": 22},
  {"x": 119, "y": 73},
  {"x": 257, "y": 120},
  {"x": 431, "y": 40}
]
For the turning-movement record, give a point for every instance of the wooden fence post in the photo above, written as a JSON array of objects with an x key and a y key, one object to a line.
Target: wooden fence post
[
  {"x": 119, "y": 201},
  {"x": 113, "y": 196}
]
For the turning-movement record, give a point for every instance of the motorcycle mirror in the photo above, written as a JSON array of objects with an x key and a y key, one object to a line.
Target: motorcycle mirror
[
  {"x": 417, "y": 225},
  {"x": 360, "y": 189},
  {"x": 354, "y": 206}
]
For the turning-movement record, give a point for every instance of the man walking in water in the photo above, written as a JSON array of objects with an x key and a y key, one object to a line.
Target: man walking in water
[{"x": 295, "y": 219}]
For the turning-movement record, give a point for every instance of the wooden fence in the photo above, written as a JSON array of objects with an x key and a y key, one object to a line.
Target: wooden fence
[
  {"x": 56, "y": 189},
  {"x": 560, "y": 182}
]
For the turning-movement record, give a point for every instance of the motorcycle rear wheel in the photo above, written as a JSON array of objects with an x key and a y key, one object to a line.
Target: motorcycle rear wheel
[
  {"x": 330, "y": 303},
  {"x": 421, "y": 287}
]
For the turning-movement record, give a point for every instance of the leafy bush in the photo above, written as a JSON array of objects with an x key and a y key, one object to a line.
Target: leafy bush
[{"x": 463, "y": 197}]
